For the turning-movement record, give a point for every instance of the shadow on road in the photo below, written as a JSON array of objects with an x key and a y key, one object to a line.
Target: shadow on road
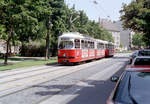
[
  {"x": 99, "y": 93},
  {"x": 100, "y": 90}
]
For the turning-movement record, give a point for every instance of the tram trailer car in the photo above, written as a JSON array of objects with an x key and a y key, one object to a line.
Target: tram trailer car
[
  {"x": 109, "y": 49},
  {"x": 74, "y": 47}
]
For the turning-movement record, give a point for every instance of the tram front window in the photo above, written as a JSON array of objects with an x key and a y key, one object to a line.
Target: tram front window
[{"x": 66, "y": 45}]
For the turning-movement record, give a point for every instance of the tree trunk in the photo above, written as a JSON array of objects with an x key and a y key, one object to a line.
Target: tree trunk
[
  {"x": 8, "y": 45},
  {"x": 47, "y": 45}
]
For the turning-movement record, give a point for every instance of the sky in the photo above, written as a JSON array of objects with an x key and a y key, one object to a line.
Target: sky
[{"x": 103, "y": 8}]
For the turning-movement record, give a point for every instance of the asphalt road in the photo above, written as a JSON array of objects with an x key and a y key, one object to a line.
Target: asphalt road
[{"x": 57, "y": 84}]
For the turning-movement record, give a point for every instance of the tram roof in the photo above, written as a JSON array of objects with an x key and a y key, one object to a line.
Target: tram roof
[
  {"x": 72, "y": 35},
  {"x": 105, "y": 42},
  {"x": 99, "y": 40},
  {"x": 77, "y": 35},
  {"x": 82, "y": 36},
  {"x": 111, "y": 43}
]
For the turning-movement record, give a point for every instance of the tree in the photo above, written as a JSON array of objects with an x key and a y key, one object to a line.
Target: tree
[
  {"x": 136, "y": 17},
  {"x": 10, "y": 11},
  {"x": 58, "y": 18},
  {"x": 16, "y": 18},
  {"x": 137, "y": 40}
]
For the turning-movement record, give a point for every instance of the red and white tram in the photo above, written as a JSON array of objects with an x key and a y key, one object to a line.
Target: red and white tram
[
  {"x": 75, "y": 47},
  {"x": 109, "y": 49}
]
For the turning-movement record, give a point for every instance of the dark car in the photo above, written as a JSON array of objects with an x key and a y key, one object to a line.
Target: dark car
[
  {"x": 133, "y": 87},
  {"x": 132, "y": 57},
  {"x": 144, "y": 52},
  {"x": 141, "y": 60}
]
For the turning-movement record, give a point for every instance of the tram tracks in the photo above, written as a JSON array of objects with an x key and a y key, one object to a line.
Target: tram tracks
[
  {"x": 23, "y": 70},
  {"x": 29, "y": 81},
  {"x": 32, "y": 73}
]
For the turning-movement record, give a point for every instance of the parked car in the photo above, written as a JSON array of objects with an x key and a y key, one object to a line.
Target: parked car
[
  {"x": 141, "y": 60},
  {"x": 132, "y": 87},
  {"x": 144, "y": 52},
  {"x": 132, "y": 57}
]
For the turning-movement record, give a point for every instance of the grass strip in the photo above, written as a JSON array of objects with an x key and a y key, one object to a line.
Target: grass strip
[{"x": 11, "y": 66}]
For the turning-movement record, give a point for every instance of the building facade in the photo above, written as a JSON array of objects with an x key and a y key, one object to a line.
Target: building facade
[
  {"x": 125, "y": 36},
  {"x": 113, "y": 29}
]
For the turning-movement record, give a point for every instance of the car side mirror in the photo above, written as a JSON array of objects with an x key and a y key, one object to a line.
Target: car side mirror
[{"x": 114, "y": 78}]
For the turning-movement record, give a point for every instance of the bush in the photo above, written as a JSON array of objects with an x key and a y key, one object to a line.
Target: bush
[
  {"x": 2, "y": 55},
  {"x": 33, "y": 49}
]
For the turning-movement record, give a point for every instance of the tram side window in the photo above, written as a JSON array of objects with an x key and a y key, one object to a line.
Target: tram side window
[
  {"x": 107, "y": 47},
  {"x": 111, "y": 47},
  {"x": 77, "y": 43},
  {"x": 82, "y": 44},
  {"x": 92, "y": 45},
  {"x": 89, "y": 45},
  {"x": 98, "y": 45},
  {"x": 86, "y": 44},
  {"x": 101, "y": 46}
]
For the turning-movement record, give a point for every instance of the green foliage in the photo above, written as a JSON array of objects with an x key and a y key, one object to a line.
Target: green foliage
[
  {"x": 34, "y": 48},
  {"x": 137, "y": 40},
  {"x": 2, "y": 32},
  {"x": 136, "y": 17},
  {"x": 121, "y": 46},
  {"x": 28, "y": 63},
  {"x": 29, "y": 20}
]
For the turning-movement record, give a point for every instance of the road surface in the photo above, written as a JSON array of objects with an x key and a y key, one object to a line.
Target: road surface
[{"x": 58, "y": 84}]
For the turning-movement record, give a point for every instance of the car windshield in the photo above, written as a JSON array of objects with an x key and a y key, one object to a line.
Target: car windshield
[
  {"x": 65, "y": 45},
  {"x": 144, "y": 53},
  {"x": 142, "y": 61},
  {"x": 133, "y": 88}
]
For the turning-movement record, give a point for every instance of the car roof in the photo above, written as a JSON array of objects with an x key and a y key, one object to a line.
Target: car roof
[
  {"x": 145, "y": 68},
  {"x": 139, "y": 67},
  {"x": 144, "y": 50},
  {"x": 137, "y": 51},
  {"x": 142, "y": 57}
]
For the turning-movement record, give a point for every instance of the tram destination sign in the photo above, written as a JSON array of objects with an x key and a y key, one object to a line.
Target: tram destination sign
[{"x": 65, "y": 39}]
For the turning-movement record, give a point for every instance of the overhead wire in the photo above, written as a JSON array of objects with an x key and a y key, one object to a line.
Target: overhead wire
[{"x": 102, "y": 9}]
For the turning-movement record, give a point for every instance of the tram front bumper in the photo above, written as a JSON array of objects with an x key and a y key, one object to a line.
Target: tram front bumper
[{"x": 69, "y": 60}]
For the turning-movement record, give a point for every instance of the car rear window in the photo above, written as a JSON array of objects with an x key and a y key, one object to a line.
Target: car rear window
[
  {"x": 142, "y": 61},
  {"x": 144, "y": 53},
  {"x": 134, "y": 88}
]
